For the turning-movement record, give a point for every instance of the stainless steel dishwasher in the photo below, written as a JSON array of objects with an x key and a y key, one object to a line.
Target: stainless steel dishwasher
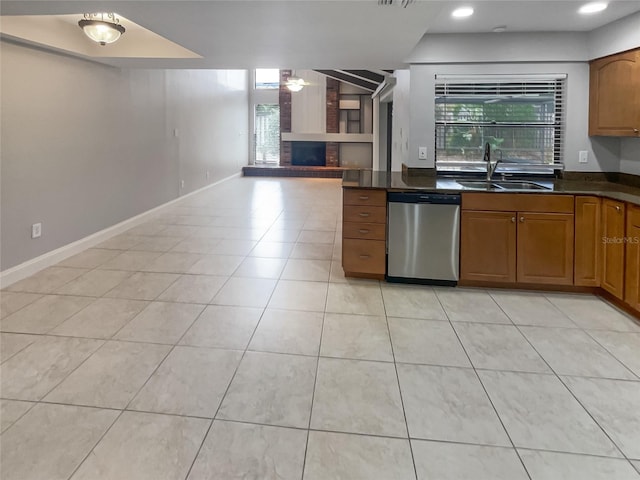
[{"x": 424, "y": 238}]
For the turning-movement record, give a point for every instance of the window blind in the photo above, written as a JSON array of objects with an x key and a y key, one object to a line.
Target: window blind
[{"x": 522, "y": 118}]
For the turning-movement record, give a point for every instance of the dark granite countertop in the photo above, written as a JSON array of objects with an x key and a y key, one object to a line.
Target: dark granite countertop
[{"x": 400, "y": 181}]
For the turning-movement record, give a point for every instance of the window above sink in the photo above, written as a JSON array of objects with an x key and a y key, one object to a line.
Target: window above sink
[{"x": 521, "y": 118}]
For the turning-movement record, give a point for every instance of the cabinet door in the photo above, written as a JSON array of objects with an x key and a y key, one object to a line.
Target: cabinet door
[
  {"x": 545, "y": 248},
  {"x": 614, "y": 95},
  {"x": 363, "y": 257},
  {"x": 613, "y": 226},
  {"x": 632, "y": 264},
  {"x": 488, "y": 246},
  {"x": 588, "y": 242}
]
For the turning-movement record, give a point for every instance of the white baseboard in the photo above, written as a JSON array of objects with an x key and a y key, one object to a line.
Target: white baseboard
[{"x": 28, "y": 268}]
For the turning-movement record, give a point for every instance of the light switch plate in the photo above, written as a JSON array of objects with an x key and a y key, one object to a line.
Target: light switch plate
[
  {"x": 422, "y": 153},
  {"x": 36, "y": 230},
  {"x": 583, "y": 156}
]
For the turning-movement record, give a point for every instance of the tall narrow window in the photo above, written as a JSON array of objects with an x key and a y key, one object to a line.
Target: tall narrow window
[
  {"x": 267, "y": 133},
  {"x": 521, "y": 118}
]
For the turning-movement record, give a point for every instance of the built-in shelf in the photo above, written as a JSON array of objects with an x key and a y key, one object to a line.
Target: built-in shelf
[{"x": 328, "y": 137}]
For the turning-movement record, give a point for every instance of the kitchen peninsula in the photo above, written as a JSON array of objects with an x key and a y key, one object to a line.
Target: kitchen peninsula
[{"x": 569, "y": 235}]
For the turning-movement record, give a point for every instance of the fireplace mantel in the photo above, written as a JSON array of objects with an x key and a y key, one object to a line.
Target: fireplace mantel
[{"x": 328, "y": 137}]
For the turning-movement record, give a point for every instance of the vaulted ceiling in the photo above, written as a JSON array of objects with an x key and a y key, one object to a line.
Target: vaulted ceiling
[{"x": 313, "y": 34}]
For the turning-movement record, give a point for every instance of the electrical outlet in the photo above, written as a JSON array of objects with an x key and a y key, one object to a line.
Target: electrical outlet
[
  {"x": 583, "y": 156},
  {"x": 36, "y": 230},
  {"x": 422, "y": 153},
  {"x": 176, "y": 132},
  {"x": 181, "y": 183}
]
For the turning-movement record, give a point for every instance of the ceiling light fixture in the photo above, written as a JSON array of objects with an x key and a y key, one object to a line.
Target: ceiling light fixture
[
  {"x": 102, "y": 28},
  {"x": 499, "y": 29},
  {"x": 462, "y": 12},
  {"x": 295, "y": 84},
  {"x": 403, "y": 3},
  {"x": 593, "y": 7}
]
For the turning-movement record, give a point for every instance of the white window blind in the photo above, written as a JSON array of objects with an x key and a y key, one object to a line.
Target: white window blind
[{"x": 522, "y": 118}]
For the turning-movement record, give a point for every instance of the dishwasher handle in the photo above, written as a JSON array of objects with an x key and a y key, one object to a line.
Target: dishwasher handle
[{"x": 414, "y": 197}]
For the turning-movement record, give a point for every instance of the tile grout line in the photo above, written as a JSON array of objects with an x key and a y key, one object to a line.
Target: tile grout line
[
  {"x": 315, "y": 383},
  {"x": 611, "y": 353},
  {"x": 395, "y": 367},
  {"x": 222, "y": 398},
  {"x": 123, "y": 410},
  {"x": 504, "y": 428},
  {"x": 560, "y": 380}
]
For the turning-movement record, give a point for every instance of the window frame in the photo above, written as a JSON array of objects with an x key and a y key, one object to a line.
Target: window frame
[{"x": 484, "y": 89}]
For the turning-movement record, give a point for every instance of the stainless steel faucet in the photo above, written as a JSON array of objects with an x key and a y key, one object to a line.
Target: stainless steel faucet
[{"x": 487, "y": 158}]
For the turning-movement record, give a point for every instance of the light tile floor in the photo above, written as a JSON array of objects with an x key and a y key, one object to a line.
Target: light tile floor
[{"x": 220, "y": 340}]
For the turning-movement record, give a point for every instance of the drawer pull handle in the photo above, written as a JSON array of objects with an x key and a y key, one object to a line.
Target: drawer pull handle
[
  {"x": 363, "y": 231},
  {"x": 362, "y": 197},
  {"x": 635, "y": 130},
  {"x": 617, "y": 208},
  {"x": 364, "y": 257},
  {"x": 513, "y": 219},
  {"x": 364, "y": 214},
  {"x": 521, "y": 219}
]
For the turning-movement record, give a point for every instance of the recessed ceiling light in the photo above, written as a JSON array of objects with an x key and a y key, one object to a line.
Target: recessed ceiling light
[
  {"x": 500, "y": 29},
  {"x": 593, "y": 7},
  {"x": 462, "y": 12}
]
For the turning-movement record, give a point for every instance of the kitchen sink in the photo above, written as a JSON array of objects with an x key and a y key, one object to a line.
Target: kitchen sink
[
  {"x": 501, "y": 185},
  {"x": 518, "y": 185},
  {"x": 478, "y": 184}
]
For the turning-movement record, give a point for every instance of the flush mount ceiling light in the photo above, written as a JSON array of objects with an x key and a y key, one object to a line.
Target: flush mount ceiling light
[
  {"x": 499, "y": 29},
  {"x": 593, "y": 7},
  {"x": 295, "y": 84},
  {"x": 403, "y": 3},
  {"x": 102, "y": 28},
  {"x": 462, "y": 12}
]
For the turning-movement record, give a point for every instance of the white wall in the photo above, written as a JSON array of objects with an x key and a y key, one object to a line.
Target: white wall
[
  {"x": 309, "y": 105},
  {"x": 85, "y": 146},
  {"x": 618, "y": 36},
  {"x": 500, "y": 47},
  {"x": 402, "y": 123},
  {"x": 630, "y": 155}
]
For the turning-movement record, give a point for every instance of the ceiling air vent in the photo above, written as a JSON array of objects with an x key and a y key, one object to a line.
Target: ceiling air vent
[{"x": 404, "y": 3}]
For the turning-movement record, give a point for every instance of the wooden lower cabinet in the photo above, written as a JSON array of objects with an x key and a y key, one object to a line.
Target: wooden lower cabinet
[
  {"x": 488, "y": 246},
  {"x": 632, "y": 264},
  {"x": 363, "y": 257},
  {"x": 613, "y": 248},
  {"x": 545, "y": 248},
  {"x": 588, "y": 241},
  {"x": 533, "y": 244},
  {"x": 364, "y": 233}
]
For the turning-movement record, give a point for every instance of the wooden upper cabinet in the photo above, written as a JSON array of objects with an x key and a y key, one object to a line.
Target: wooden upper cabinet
[
  {"x": 613, "y": 233},
  {"x": 588, "y": 241},
  {"x": 488, "y": 246},
  {"x": 614, "y": 95},
  {"x": 632, "y": 269},
  {"x": 545, "y": 248}
]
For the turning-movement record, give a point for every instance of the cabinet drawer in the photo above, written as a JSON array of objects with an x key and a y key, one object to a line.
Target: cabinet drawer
[
  {"x": 364, "y": 231},
  {"x": 363, "y": 256},
  {"x": 354, "y": 196},
  {"x": 364, "y": 214}
]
